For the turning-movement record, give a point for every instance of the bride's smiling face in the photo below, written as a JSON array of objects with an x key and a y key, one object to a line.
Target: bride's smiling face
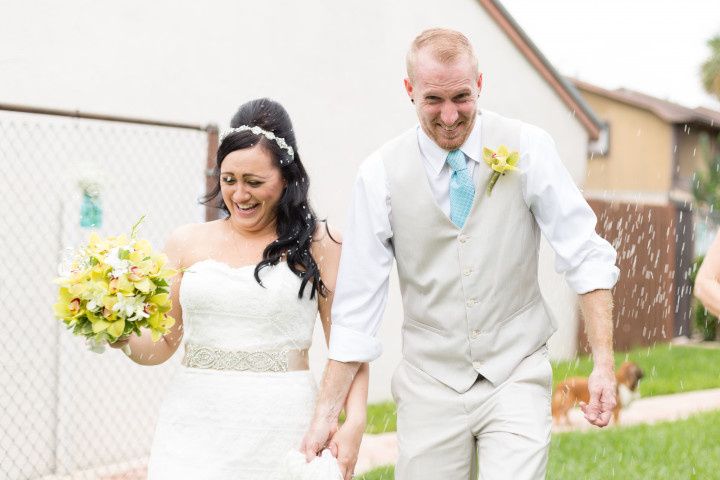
[{"x": 251, "y": 188}]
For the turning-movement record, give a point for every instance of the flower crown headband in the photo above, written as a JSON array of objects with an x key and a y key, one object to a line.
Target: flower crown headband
[{"x": 260, "y": 131}]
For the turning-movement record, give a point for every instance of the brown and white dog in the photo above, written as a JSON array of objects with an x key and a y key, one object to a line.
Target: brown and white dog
[{"x": 574, "y": 390}]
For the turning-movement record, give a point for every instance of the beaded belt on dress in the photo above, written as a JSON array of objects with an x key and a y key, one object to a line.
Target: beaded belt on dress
[{"x": 286, "y": 360}]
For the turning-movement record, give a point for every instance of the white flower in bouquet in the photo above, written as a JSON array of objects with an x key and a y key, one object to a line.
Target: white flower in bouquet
[
  {"x": 119, "y": 266},
  {"x": 131, "y": 307}
]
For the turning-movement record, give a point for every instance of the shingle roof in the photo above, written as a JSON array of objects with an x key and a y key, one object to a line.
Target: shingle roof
[{"x": 666, "y": 110}]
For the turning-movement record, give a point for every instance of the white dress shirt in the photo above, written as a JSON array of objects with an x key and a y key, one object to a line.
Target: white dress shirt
[{"x": 561, "y": 212}]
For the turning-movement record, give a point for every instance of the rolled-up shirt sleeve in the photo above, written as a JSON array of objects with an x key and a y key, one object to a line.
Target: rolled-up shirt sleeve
[
  {"x": 361, "y": 289},
  {"x": 564, "y": 216}
]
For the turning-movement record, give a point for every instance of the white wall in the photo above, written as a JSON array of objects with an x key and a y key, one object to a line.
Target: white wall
[{"x": 336, "y": 66}]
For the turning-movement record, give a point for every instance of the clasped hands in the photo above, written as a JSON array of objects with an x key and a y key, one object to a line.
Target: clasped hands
[{"x": 343, "y": 441}]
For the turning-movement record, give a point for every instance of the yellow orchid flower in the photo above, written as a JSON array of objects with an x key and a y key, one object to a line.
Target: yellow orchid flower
[
  {"x": 144, "y": 285},
  {"x": 159, "y": 325},
  {"x": 156, "y": 334},
  {"x": 109, "y": 301},
  {"x": 97, "y": 244},
  {"x": 501, "y": 162},
  {"x": 116, "y": 328},
  {"x": 78, "y": 289},
  {"x": 100, "y": 326},
  {"x": 143, "y": 248},
  {"x": 166, "y": 274},
  {"x": 135, "y": 274},
  {"x": 124, "y": 285},
  {"x": 115, "y": 286},
  {"x": 161, "y": 301},
  {"x": 67, "y": 305},
  {"x": 120, "y": 240}
]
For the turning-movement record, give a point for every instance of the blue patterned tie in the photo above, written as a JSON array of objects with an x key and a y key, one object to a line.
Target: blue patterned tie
[{"x": 462, "y": 189}]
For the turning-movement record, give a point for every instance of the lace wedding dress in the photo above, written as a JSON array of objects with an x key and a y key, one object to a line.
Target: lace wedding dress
[{"x": 242, "y": 400}]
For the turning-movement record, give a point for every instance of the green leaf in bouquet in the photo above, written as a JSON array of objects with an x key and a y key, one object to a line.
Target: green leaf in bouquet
[
  {"x": 123, "y": 254},
  {"x": 99, "y": 338},
  {"x": 94, "y": 261},
  {"x": 129, "y": 328},
  {"x": 135, "y": 328},
  {"x": 83, "y": 328}
]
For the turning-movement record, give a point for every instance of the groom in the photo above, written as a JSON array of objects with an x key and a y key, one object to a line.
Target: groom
[{"x": 473, "y": 388}]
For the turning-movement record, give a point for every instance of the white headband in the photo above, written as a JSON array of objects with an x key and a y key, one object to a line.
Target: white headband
[{"x": 259, "y": 131}]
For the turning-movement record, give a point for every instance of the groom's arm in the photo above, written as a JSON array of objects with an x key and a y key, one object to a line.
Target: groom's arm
[
  {"x": 587, "y": 260},
  {"x": 359, "y": 301},
  {"x": 597, "y": 309}
]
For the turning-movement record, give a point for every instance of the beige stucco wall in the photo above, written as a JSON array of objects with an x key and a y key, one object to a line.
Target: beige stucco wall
[
  {"x": 640, "y": 154},
  {"x": 691, "y": 154}
]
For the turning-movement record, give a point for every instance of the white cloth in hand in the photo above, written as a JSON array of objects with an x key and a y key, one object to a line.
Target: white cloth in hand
[{"x": 324, "y": 467}]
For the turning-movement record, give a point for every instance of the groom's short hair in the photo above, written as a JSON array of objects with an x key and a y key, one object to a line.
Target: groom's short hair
[{"x": 445, "y": 46}]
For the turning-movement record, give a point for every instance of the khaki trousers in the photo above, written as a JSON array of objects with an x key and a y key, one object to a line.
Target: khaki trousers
[{"x": 491, "y": 433}]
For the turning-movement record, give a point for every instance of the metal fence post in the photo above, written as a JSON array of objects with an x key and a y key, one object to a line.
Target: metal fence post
[{"x": 213, "y": 142}]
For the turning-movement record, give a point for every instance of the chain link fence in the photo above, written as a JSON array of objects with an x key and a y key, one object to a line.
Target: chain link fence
[{"x": 65, "y": 412}]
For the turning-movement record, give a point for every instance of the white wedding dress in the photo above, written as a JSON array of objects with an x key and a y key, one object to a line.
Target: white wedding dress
[{"x": 228, "y": 423}]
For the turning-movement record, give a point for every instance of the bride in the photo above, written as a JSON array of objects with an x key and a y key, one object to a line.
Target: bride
[{"x": 246, "y": 304}]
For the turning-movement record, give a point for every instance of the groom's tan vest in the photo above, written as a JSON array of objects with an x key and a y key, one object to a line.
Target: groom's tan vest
[{"x": 471, "y": 298}]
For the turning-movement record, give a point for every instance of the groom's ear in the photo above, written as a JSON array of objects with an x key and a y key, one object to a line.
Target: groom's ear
[
  {"x": 409, "y": 89},
  {"x": 479, "y": 82}
]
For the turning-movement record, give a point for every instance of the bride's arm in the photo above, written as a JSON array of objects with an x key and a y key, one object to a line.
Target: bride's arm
[
  {"x": 143, "y": 350},
  {"x": 345, "y": 443}
]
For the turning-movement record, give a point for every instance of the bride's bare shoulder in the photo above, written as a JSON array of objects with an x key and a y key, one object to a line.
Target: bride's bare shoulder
[
  {"x": 183, "y": 241},
  {"x": 326, "y": 239},
  {"x": 194, "y": 231}
]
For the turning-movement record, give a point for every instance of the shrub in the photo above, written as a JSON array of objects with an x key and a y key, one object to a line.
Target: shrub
[{"x": 705, "y": 322}]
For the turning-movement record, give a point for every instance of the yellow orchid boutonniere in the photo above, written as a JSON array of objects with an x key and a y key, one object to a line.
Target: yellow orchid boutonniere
[{"x": 501, "y": 161}]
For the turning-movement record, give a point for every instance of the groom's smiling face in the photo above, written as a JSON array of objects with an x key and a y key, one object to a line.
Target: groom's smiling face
[{"x": 445, "y": 97}]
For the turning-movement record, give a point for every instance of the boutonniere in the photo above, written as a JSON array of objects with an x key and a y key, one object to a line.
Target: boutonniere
[{"x": 501, "y": 161}]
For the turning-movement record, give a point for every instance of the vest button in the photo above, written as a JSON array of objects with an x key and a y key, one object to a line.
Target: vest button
[
  {"x": 474, "y": 333},
  {"x": 463, "y": 238},
  {"x": 467, "y": 272},
  {"x": 477, "y": 365},
  {"x": 471, "y": 302}
]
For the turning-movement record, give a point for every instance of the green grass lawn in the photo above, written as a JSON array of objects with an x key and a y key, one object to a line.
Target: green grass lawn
[
  {"x": 687, "y": 449},
  {"x": 381, "y": 418},
  {"x": 382, "y": 473},
  {"x": 668, "y": 369}
]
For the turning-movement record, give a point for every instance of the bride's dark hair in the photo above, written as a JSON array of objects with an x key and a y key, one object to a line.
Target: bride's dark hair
[{"x": 296, "y": 221}]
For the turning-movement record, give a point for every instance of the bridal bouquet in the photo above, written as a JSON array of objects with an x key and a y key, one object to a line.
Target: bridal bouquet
[{"x": 113, "y": 287}]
